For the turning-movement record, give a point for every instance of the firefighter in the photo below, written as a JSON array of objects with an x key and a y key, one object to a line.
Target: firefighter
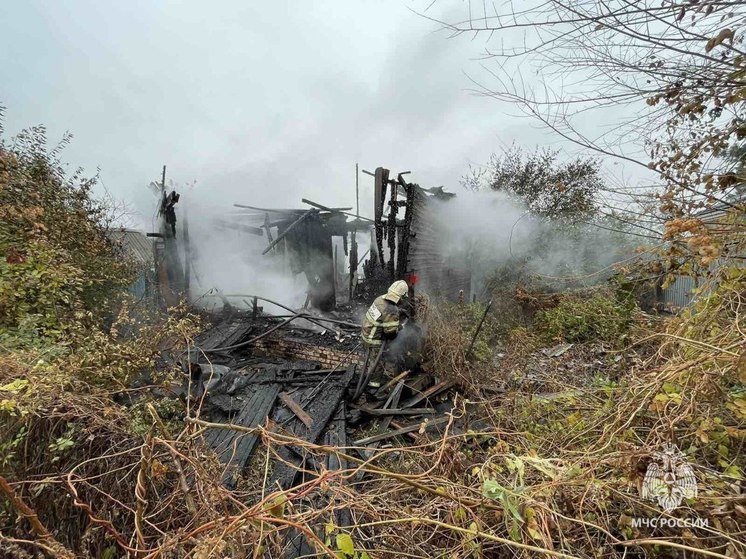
[
  {"x": 384, "y": 318},
  {"x": 382, "y": 323}
]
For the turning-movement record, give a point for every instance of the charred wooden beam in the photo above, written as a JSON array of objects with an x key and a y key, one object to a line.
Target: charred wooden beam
[
  {"x": 270, "y": 210},
  {"x": 289, "y": 228},
  {"x": 404, "y": 430},
  {"x": 233, "y": 447},
  {"x": 395, "y": 411},
  {"x": 325, "y": 208},
  {"x": 429, "y": 393},
  {"x": 321, "y": 408},
  {"x": 299, "y": 412}
]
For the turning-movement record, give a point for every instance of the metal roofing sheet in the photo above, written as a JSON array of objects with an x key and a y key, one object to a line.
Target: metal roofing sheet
[{"x": 135, "y": 244}]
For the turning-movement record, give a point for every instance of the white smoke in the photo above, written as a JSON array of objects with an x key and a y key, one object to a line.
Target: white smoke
[
  {"x": 485, "y": 231},
  {"x": 229, "y": 262},
  {"x": 489, "y": 230}
]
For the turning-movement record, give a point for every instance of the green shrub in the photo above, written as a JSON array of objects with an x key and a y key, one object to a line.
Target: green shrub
[
  {"x": 57, "y": 265},
  {"x": 602, "y": 317}
]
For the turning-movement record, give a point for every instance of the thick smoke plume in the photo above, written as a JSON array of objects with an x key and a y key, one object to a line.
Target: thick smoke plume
[
  {"x": 229, "y": 261},
  {"x": 490, "y": 233},
  {"x": 493, "y": 233}
]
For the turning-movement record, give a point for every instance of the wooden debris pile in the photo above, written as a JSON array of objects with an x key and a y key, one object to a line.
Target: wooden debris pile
[{"x": 236, "y": 385}]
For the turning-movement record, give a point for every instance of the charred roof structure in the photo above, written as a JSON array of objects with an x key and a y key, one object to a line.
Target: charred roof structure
[
  {"x": 305, "y": 237},
  {"x": 406, "y": 242}
]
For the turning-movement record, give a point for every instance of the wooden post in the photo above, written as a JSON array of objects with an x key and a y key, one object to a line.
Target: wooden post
[
  {"x": 187, "y": 255},
  {"x": 479, "y": 327},
  {"x": 353, "y": 234},
  {"x": 336, "y": 269}
]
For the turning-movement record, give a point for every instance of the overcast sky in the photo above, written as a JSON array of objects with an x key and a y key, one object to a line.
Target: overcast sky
[{"x": 258, "y": 102}]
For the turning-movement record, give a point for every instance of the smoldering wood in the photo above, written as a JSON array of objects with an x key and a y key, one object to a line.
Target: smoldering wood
[
  {"x": 256, "y": 338},
  {"x": 381, "y": 391},
  {"x": 303, "y": 397},
  {"x": 429, "y": 393},
  {"x": 391, "y": 403},
  {"x": 391, "y": 233},
  {"x": 353, "y": 262},
  {"x": 169, "y": 268},
  {"x": 309, "y": 317}
]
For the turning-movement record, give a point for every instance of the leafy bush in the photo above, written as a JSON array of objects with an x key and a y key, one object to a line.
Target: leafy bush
[
  {"x": 602, "y": 317},
  {"x": 57, "y": 266}
]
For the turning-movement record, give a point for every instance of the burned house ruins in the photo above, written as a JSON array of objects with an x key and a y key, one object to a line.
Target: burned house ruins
[
  {"x": 401, "y": 241},
  {"x": 293, "y": 371}
]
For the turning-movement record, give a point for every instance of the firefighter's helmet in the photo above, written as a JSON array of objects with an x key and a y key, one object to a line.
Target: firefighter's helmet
[{"x": 398, "y": 290}]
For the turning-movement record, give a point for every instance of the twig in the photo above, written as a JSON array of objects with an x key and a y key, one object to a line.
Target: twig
[
  {"x": 188, "y": 499},
  {"x": 51, "y": 545}
]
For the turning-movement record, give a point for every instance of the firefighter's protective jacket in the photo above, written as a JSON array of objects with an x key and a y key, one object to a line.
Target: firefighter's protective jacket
[{"x": 381, "y": 322}]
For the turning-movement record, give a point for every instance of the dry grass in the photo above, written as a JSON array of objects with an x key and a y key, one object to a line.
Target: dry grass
[
  {"x": 535, "y": 476},
  {"x": 560, "y": 476}
]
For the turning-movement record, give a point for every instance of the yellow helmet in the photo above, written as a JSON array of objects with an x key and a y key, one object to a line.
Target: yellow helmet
[{"x": 397, "y": 291}]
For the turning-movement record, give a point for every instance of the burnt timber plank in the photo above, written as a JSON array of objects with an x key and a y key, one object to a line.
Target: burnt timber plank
[
  {"x": 237, "y": 333},
  {"x": 223, "y": 334},
  {"x": 391, "y": 402},
  {"x": 233, "y": 448},
  {"x": 321, "y": 408},
  {"x": 212, "y": 337},
  {"x": 382, "y": 391},
  {"x": 253, "y": 413},
  {"x": 395, "y": 411},
  {"x": 402, "y": 431},
  {"x": 299, "y": 412},
  {"x": 335, "y": 434},
  {"x": 216, "y": 437},
  {"x": 432, "y": 391}
]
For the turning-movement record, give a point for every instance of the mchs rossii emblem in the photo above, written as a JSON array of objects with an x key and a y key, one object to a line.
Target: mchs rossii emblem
[{"x": 669, "y": 478}]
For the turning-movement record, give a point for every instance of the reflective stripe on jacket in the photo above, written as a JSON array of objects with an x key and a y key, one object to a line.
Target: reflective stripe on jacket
[{"x": 382, "y": 321}]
